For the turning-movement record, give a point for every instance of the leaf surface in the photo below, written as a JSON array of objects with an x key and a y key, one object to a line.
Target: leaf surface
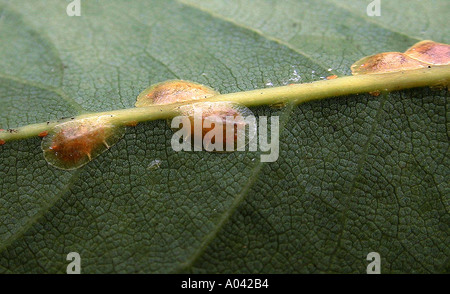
[{"x": 355, "y": 174}]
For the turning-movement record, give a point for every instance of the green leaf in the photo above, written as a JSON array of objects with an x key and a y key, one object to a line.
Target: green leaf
[{"x": 355, "y": 175}]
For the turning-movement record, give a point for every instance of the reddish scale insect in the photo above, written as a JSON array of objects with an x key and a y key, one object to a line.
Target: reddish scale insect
[
  {"x": 421, "y": 55},
  {"x": 172, "y": 92},
  {"x": 178, "y": 91},
  {"x": 217, "y": 112},
  {"x": 70, "y": 146},
  {"x": 220, "y": 119},
  {"x": 385, "y": 62},
  {"x": 73, "y": 144},
  {"x": 332, "y": 77},
  {"x": 430, "y": 52}
]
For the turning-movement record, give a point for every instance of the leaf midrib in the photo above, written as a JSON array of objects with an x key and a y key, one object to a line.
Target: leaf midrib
[{"x": 255, "y": 171}]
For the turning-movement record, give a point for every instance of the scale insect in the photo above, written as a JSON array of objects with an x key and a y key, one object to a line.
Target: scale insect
[
  {"x": 215, "y": 120},
  {"x": 421, "y": 55},
  {"x": 212, "y": 113},
  {"x": 71, "y": 145},
  {"x": 173, "y": 91}
]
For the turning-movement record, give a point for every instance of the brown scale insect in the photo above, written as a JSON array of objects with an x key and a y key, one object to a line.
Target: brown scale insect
[
  {"x": 178, "y": 91},
  {"x": 72, "y": 144},
  {"x": 423, "y": 54}
]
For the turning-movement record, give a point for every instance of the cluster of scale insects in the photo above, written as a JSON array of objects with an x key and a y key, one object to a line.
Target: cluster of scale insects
[{"x": 73, "y": 143}]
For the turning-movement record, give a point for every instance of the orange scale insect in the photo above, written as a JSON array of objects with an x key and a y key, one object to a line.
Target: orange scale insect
[
  {"x": 385, "y": 62},
  {"x": 178, "y": 91},
  {"x": 72, "y": 144},
  {"x": 421, "y": 55},
  {"x": 2, "y": 142},
  {"x": 217, "y": 113},
  {"x": 430, "y": 52},
  {"x": 173, "y": 91}
]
